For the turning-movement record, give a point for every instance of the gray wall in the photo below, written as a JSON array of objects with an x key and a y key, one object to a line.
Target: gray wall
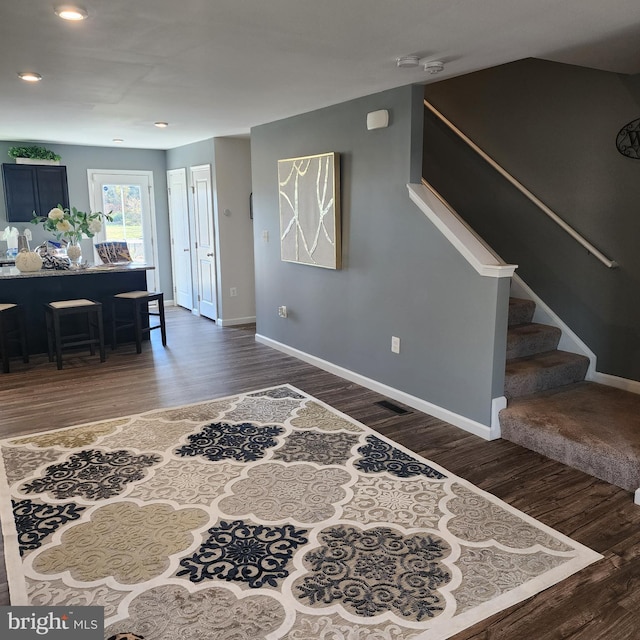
[
  {"x": 190, "y": 155},
  {"x": 230, "y": 161},
  {"x": 399, "y": 276},
  {"x": 234, "y": 229},
  {"x": 78, "y": 159},
  {"x": 552, "y": 126}
]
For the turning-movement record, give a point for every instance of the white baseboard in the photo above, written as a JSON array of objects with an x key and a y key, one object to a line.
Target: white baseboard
[
  {"x": 614, "y": 381},
  {"x": 231, "y": 322},
  {"x": 477, "y": 428},
  {"x": 497, "y": 404}
]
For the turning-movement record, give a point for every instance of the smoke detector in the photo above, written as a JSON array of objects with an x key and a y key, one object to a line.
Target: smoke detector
[
  {"x": 433, "y": 66},
  {"x": 406, "y": 62}
]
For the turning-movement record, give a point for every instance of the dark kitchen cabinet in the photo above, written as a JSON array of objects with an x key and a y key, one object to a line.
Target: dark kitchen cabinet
[{"x": 32, "y": 187}]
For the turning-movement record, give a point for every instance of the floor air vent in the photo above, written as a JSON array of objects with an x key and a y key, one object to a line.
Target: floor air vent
[{"x": 386, "y": 404}]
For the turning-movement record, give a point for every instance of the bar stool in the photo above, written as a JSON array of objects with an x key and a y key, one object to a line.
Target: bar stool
[
  {"x": 83, "y": 310},
  {"x": 137, "y": 303},
  {"x": 12, "y": 329}
]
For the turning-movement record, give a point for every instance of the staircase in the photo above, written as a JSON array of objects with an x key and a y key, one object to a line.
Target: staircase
[
  {"x": 552, "y": 410},
  {"x": 534, "y": 363}
]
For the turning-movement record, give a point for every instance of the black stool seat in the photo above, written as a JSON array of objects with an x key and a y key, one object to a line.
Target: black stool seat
[
  {"x": 88, "y": 313},
  {"x": 138, "y": 316},
  {"x": 12, "y": 330}
]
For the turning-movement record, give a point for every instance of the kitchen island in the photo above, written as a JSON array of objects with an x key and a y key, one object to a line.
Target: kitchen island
[{"x": 34, "y": 289}]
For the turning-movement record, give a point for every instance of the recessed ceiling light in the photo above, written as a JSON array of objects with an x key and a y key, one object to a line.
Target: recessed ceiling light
[
  {"x": 118, "y": 140},
  {"x": 161, "y": 125},
  {"x": 71, "y": 12},
  {"x": 29, "y": 76}
]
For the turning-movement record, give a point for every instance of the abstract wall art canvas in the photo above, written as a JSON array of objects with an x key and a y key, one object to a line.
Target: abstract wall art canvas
[{"x": 309, "y": 195}]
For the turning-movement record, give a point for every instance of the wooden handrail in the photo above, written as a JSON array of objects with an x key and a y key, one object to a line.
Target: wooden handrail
[{"x": 554, "y": 216}]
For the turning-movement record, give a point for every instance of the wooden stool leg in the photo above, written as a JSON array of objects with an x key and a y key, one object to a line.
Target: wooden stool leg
[
  {"x": 114, "y": 337},
  {"x": 4, "y": 346},
  {"x": 49, "y": 319},
  {"x": 163, "y": 328},
  {"x": 137, "y": 320},
  {"x": 57, "y": 335},
  {"x": 23, "y": 335},
  {"x": 92, "y": 325},
  {"x": 101, "y": 335}
]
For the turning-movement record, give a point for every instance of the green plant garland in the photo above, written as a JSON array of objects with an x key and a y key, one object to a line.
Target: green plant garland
[{"x": 35, "y": 152}]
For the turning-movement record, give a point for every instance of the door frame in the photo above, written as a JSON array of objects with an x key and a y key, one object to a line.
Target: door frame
[
  {"x": 137, "y": 173},
  {"x": 214, "y": 238},
  {"x": 186, "y": 231}
]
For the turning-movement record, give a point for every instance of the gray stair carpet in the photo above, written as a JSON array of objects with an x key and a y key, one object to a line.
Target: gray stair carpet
[
  {"x": 543, "y": 371},
  {"x": 534, "y": 364},
  {"x": 520, "y": 311},
  {"x": 551, "y": 410},
  {"x": 588, "y": 426}
]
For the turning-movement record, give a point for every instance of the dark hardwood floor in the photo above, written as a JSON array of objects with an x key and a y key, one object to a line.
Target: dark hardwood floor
[{"x": 204, "y": 361}]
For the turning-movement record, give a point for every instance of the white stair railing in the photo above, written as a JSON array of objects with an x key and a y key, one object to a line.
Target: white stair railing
[
  {"x": 518, "y": 185},
  {"x": 470, "y": 246}
]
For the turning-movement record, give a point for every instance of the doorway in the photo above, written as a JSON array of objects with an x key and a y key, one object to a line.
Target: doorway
[
  {"x": 128, "y": 197},
  {"x": 180, "y": 238},
  {"x": 193, "y": 243},
  {"x": 205, "y": 252}
]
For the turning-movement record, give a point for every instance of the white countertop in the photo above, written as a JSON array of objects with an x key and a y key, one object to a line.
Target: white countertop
[{"x": 13, "y": 272}]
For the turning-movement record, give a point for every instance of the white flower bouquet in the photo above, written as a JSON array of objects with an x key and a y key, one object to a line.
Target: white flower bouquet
[{"x": 71, "y": 224}]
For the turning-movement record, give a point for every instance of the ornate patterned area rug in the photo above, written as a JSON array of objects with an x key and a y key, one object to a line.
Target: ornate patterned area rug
[{"x": 263, "y": 515}]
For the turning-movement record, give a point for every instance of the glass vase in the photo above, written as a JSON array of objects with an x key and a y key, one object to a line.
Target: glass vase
[{"x": 74, "y": 253}]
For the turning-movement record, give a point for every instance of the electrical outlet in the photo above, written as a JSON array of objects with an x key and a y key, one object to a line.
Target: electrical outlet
[
  {"x": 265, "y": 236},
  {"x": 395, "y": 344},
  {"x": 233, "y": 292},
  {"x": 282, "y": 312}
]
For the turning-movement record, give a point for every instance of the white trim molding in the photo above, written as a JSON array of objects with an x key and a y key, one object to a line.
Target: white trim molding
[
  {"x": 457, "y": 420},
  {"x": 633, "y": 386},
  {"x": 497, "y": 404},
  {"x": 232, "y": 322},
  {"x": 470, "y": 246}
]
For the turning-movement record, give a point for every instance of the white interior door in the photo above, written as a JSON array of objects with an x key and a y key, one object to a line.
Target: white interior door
[
  {"x": 205, "y": 240},
  {"x": 180, "y": 237},
  {"x": 128, "y": 197}
]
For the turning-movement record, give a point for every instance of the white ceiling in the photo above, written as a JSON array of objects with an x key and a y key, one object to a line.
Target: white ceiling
[{"x": 218, "y": 67}]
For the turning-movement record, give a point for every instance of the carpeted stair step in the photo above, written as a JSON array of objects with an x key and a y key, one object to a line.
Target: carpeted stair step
[
  {"x": 520, "y": 311},
  {"x": 532, "y": 374},
  {"x": 588, "y": 426},
  {"x": 530, "y": 338}
]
